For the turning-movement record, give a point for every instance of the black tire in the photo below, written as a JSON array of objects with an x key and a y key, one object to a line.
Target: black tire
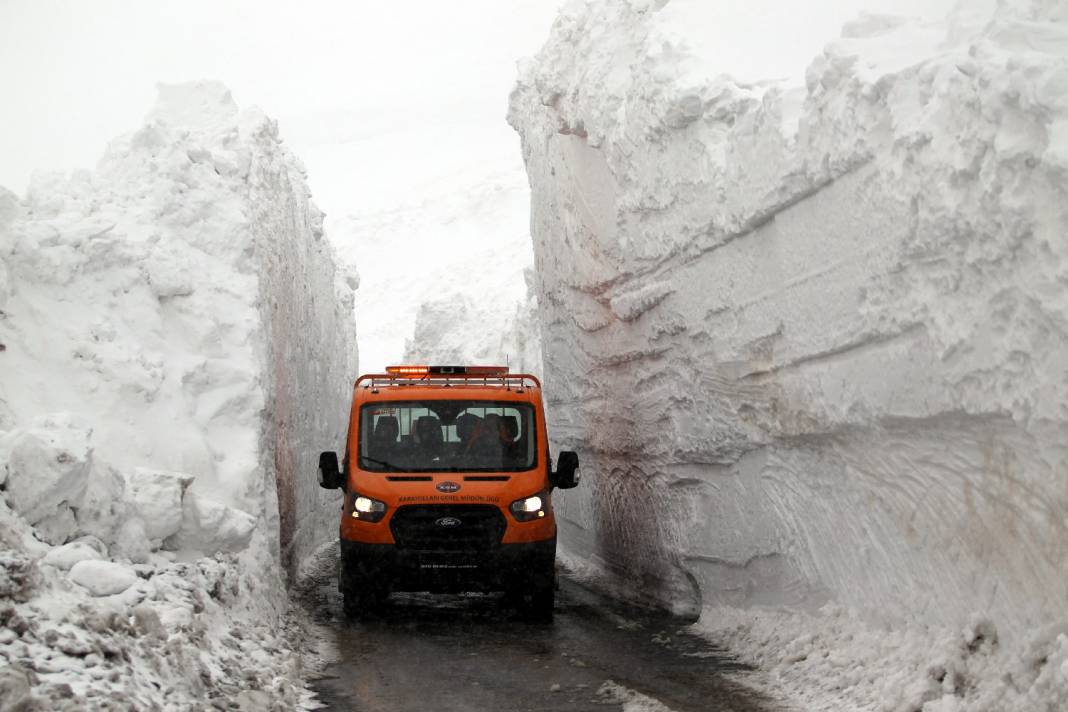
[
  {"x": 361, "y": 597},
  {"x": 538, "y": 599},
  {"x": 352, "y": 605},
  {"x": 361, "y": 600},
  {"x": 542, "y": 605}
]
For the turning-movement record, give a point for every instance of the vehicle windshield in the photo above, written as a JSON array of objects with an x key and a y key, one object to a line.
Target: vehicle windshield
[{"x": 447, "y": 436}]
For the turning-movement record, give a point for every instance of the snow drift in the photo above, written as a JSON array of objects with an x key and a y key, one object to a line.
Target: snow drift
[
  {"x": 811, "y": 342},
  {"x": 176, "y": 350}
]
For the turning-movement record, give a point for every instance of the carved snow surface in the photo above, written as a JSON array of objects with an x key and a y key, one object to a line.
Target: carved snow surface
[
  {"x": 631, "y": 304},
  {"x": 835, "y": 369},
  {"x": 177, "y": 346}
]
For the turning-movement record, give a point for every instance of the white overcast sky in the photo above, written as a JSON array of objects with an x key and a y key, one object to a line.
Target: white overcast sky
[
  {"x": 375, "y": 97},
  {"x": 75, "y": 74}
]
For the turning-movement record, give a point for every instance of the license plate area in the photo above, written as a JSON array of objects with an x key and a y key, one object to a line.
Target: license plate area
[{"x": 440, "y": 562}]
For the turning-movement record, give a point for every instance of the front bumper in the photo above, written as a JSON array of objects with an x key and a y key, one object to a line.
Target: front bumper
[{"x": 386, "y": 565}]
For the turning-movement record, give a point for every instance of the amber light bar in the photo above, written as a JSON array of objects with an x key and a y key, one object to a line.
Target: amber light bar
[
  {"x": 407, "y": 370},
  {"x": 447, "y": 370}
]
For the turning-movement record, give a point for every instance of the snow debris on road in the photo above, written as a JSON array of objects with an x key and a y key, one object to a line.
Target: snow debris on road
[
  {"x": 631, "y": 700},
  {"x": 175, "y": 339},
  {"x": 811, "y": 339},
  {"x": 155, "y": 635},
  {"x": 824, "y": 658}
]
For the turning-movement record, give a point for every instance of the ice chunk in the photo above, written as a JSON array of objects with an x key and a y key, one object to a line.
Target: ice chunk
[
  {"x": 95, "y": 542},
  {"x": 147, "y": 620},
  {"x": 132, "y": 542},
  {"x": 66, "y": 556},
  {"x": 102, "y": 578},
  {"x": 15, "y": 689},
  {"x": 18, "y": 575},
  {"x": 46, "y": 469},
  {"x": 156, "y": 497},
  {"x": 194, "y": 105},
  {"x": 209, "y": 527},
  {"x": 102, "y": 507}
]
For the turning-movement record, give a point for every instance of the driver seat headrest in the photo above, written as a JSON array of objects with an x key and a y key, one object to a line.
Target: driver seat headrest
[{"x": 387, "y": 428}]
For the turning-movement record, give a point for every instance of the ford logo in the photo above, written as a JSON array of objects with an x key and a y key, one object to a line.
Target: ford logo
[
  {"x": 448, "y": 522},
  {"x": 448, "y": 487}
]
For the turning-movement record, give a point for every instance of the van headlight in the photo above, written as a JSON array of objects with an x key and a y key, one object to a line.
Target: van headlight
[
  {"x": 367, "y": 509},
  {"x": 528, "y": 508}
]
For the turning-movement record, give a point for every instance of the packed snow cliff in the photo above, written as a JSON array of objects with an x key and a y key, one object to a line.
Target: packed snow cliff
[
  {"x": 812, "y": 342},
  {"x": 176, "y": 343}
]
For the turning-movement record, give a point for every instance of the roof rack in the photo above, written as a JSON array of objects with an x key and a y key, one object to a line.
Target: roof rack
[{"x": 446, "y": 376}]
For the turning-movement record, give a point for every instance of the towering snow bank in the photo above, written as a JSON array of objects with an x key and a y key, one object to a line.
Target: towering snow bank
[
  {"x": 176, "y": 349},
  {"x": 181, "y": 302},
  {"x": 812, "y": 343}
]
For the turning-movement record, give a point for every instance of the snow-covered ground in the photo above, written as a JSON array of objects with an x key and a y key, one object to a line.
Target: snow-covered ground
[
  {"x": 811, "y": 339},
  {"x": 176, "y": 347}
]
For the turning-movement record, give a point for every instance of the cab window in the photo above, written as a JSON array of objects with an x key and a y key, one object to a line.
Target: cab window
[{"x": 447, "y": 436}]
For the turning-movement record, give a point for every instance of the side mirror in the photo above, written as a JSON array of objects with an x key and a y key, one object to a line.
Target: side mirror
[
  {"x": 567, "y": 474},
  {"x": 329, "y": 472}
]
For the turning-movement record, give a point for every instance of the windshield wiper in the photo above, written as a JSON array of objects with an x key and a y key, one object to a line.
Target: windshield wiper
[{"x": 383, "y": 463}]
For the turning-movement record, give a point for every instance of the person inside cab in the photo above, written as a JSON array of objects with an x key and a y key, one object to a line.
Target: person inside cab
[
  {"x": 428, "y": 437},
  {"x": 384, "y": 438},
  {"x": 490, "y": 439}
]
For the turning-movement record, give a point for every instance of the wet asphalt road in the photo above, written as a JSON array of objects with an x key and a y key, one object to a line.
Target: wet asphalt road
[{"x": 474, "y": 653}]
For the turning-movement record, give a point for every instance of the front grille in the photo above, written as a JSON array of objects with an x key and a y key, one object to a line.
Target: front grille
[{"x": 419, "y": 527}]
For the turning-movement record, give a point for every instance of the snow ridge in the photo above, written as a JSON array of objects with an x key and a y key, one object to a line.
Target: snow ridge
[{"x": 856, "y": 391}]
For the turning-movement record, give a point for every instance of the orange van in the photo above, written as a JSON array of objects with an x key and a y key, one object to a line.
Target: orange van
[{"x": 448, "y": 486}]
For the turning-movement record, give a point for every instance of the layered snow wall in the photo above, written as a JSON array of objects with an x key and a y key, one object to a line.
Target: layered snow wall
[
  {"x": 177, "y": 346},
  {"x": 181, "y": 304},
  {"x": 811, "y": 343}
]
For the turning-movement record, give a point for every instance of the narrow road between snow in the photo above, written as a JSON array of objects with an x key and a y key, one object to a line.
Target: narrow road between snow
[{"x": 473, "y": 653}]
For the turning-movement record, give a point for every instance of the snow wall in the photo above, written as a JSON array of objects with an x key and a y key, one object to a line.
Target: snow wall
[
  {"x": 175, "y": 316},
  {"x": 811, "y": 343}
]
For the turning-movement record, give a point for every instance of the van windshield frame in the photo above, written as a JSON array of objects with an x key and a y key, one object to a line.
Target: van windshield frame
[{"x": 474, "y": 435}]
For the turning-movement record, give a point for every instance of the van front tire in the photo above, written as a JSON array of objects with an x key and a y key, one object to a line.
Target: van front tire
[
  {"x": 351, "y": 604},
  {"x": 361, "y": 600},
  {"x": 361, "y": 596},
  {"x": 537, "y": 597}
]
